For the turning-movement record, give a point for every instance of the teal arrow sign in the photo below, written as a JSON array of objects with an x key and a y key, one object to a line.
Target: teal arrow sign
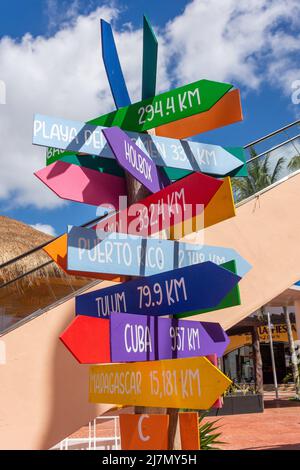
[{"x": 150, "y": 46}]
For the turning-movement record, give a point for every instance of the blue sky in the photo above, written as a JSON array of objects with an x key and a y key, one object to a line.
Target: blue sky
[{"x": 255, "y": 49}]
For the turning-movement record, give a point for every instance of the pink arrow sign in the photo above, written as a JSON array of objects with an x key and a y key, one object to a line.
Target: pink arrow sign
[
  {"x": 132, "y": 158},
  {"x": 80, "y": 184}
]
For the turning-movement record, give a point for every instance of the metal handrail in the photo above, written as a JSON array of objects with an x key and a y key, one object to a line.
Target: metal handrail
[
  {"x": 274, "y": 148},
  {"x": 261, "y": 139}
]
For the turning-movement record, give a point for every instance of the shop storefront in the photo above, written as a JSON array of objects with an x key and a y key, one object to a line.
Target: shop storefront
[{"x": 238, "y": 361}]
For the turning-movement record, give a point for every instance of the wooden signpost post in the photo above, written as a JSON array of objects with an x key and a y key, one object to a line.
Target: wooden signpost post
[
  {"x": 199, "y": 286},
  {"x": 135, "y": 338},
  {"x": 192, "y": 383}
]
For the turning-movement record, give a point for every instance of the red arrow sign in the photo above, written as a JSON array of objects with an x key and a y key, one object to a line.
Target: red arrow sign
[
  {"x": 88, "y": 339},
  {"x": 180, "y": 202}
]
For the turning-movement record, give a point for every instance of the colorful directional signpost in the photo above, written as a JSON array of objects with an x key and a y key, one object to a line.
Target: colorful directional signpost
[
  {"x": 177, "y": 383},
  {"x": 199, "y": 286},
  {"x": 129, "y": 338},
  {"x": 143, "y": 358}
]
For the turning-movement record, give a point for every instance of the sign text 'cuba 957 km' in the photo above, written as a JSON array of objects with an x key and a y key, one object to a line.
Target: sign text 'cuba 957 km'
[
  {"x": 177, "y": 383},
  {"x": 195, "y": 287},
  {"x": 129, "y": 338}
]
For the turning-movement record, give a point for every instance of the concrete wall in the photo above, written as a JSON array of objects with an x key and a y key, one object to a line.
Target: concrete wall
[
  {"x": 266, "y": 231},
  {"x": 43, "y": 390}
]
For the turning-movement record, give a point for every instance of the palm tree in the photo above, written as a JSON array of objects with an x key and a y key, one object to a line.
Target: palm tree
[
  {"x": 259, "y": 176},
  {"x": 294, "y": 163}
]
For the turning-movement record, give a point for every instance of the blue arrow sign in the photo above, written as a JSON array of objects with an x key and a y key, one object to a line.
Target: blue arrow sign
[
  {"x": 82, "y": 137},
  {"x": 113, "y": 67},
  {"x": 186, "y": 289},
  {"x": 133, "y": 255}
]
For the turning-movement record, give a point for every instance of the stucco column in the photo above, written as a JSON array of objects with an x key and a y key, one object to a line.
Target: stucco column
[{"x": 297, "y": 315}]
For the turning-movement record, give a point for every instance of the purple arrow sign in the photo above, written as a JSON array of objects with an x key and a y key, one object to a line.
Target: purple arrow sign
[
  {"x": 128, "y": 338},
  {"x": 133, "y": 159},
  {"x": 142, "y": 338}
]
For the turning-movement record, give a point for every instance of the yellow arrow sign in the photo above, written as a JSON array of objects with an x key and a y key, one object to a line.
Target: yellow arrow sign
[{"x": 176, "y": 383}]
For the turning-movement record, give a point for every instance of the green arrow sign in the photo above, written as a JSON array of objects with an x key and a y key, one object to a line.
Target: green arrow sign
[
  {"x": 231, "y": 299},
  {"x": 168, "y": 107},
  {"x": 104, "y": 165}
]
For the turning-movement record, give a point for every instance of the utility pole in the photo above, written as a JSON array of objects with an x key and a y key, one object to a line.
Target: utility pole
[
  {"x": 257, "y": 361},
  {"x": 292, "y": 352},
  {"x": 272, "y": 356}
]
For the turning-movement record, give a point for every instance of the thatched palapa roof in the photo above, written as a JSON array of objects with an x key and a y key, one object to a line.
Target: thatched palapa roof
[
  {"x": 30, "y": 292},
  {"x": 17, "y": 238}
]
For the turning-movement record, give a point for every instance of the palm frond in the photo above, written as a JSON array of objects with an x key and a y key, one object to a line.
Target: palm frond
[{"x": 294, "y": 163}]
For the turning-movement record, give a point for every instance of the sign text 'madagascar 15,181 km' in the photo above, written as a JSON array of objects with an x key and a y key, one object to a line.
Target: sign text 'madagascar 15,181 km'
[{"x": 176, "y": 383}]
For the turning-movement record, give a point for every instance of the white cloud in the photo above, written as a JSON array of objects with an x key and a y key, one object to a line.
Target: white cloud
[
  {"x": 236, "y": 41},
  {"x": 63, "y": 75},
  {"x": 45, "y": 228},
  {"x": 60, "y": 12}
]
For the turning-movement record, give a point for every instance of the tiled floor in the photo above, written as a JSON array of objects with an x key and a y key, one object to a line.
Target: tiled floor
[{"x": 277, "y": 428}]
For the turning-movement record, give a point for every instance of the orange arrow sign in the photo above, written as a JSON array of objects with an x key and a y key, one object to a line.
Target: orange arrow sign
[
  {"x": 57, "y": 250},
  {"x": 227, "y": 110},
  {"x": 192, "y": 383},
  {"x": 139, "y": 432}
]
